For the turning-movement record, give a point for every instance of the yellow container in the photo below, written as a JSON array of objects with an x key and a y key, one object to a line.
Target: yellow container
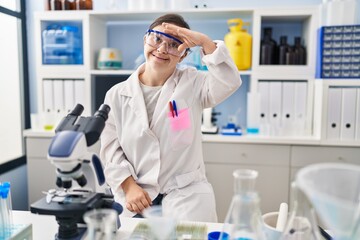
[{"x": 239, "y": 43}]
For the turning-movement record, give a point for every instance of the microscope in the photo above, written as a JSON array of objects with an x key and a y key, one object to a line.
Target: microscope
[
  {"x": 208, "y": 119},
  {"x": 69, "y": 152}
]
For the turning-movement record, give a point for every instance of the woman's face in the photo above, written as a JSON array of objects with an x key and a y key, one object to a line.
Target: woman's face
[{"x": 161, "y": 56}]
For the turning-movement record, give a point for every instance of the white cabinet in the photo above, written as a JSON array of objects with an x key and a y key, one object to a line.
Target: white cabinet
[
  {"x": 41, "y": 173},
  {"x": 271, "y": 161},
  {"x": 302, "y": 156}
]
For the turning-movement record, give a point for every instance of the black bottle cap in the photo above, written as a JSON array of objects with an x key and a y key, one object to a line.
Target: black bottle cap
[
  {"x": 283, "y": 40},
  {"x": 297, "y": 40},
  {"x": 268, "y": 31}
]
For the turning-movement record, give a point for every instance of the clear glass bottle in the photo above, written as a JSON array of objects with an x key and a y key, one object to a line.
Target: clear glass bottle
[
  {"x": 243, "y": 220},
  {"x": 101, "y": 224},
  {"x": 302, "y": 223}
]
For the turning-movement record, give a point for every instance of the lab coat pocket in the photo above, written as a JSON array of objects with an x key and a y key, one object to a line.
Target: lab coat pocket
[{"x": 180, "y": 129}]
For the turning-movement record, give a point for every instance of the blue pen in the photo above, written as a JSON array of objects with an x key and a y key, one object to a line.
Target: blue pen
[{"x": 175, "y": 108}]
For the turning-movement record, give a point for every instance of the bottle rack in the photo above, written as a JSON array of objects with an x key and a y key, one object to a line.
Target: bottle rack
[{"x": 339, "y": 52}]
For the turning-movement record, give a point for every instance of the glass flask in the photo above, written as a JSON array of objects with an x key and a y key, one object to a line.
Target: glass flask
[
  {"x": 101, "y": 224},
  {"x": 162, "y": 225},
  {"x": 243, "y": 220},
  {"x": 302, "y": 223}
]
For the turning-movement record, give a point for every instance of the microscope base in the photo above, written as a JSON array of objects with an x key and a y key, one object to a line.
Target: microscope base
[{"x": 209, "y": 130}]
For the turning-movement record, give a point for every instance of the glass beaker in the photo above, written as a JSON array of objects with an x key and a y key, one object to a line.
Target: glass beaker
[
  {"x": 302, "y": 223},
  {"x": 334, "y": 191},
  {"x": 243, "y": 220},
  {"x": 162, "y": 226},
  {"x": 101, "y": 224}
]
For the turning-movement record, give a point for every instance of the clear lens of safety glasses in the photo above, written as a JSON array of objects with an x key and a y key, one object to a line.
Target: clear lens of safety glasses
[{"x": 156, "y": 39}]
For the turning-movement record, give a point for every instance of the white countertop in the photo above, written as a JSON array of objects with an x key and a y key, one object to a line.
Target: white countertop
[
  {"x": 245, "y": 139},
  {"x": 45, "y": 227}
]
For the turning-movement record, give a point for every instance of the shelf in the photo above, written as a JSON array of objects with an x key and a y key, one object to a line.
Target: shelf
[
  {"x": 130, "y": 71},
  {"x": 295, "y": 140},
  {"x": 194, "y": 14},
  {"x": 280, "y": 71},
  {"x": 112, "y": 72},
  {"x": 63, "y": 70},
  {"x": 112, "y": 29}
]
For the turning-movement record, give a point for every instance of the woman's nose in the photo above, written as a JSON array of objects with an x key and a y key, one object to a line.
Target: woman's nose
[{"x": 163, "y": 48}]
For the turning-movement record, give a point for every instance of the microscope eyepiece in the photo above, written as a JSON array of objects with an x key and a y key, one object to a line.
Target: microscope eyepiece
[
  {"x": 77, "y": 111},
  {"x": 103, "y": 111}
]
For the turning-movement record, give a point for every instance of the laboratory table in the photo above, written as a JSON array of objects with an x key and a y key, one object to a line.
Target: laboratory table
[{"x": 45, "y": 227}]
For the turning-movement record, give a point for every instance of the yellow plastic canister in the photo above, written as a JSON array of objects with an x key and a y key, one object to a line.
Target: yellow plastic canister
[{"x": 239, "y": 43}]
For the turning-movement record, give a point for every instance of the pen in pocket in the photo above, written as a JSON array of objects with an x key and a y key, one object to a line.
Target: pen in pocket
[
  {"x": 175, "y": 108},
  {"x": 171, "y": 109}
]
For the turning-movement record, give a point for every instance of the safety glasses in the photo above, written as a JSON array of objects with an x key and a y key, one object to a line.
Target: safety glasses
[{"x": 156, "y": 39}]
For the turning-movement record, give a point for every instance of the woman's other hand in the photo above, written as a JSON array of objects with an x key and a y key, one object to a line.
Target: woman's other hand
[{"x": 137, "y": 199}]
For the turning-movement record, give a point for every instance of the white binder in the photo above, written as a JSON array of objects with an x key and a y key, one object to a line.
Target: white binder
[
  {"x": 300, "y": 102},
  {"x": 288, "y": 107},
  {"x": 348, "y": 116},
  {"x": 69, "y": 95},
  {"x": 48, "y": 96},
  {"x": 334, "y": 113},
  {"x": 79, "y": 86},
  {"x": 275, "y": 106},
  {"x": 58, "y": 86},
  {"x": 263, "y": 89}
]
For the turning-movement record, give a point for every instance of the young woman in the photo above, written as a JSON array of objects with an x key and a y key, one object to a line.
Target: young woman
[{"x": 152, "y": 142}]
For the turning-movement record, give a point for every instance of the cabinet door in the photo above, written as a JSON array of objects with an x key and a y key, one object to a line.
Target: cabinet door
[
  {"x": 271, "y": 161},
  {"x": 304, "y": 155},
  {"x": 272, "y": 185},
  {"x": 41, "y": 177},
  {"x": 257, "y": 154}
]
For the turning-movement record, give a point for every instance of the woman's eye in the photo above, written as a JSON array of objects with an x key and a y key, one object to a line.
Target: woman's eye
[
  {"x": 157, "y": 39},
  {"x": 174, "y": 45}
]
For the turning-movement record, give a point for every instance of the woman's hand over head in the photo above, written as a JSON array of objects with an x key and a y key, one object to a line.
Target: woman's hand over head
[{"x": 190, "y": 38}]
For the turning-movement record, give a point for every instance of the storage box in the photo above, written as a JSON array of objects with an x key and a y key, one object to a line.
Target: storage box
[{"x": 339, "y": 52}]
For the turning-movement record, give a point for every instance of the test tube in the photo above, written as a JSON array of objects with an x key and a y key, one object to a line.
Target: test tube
[
  {"x": 3, "y": 216},
  {"x": 5, "y": 209},
  {"x": 6, "y": 186}
]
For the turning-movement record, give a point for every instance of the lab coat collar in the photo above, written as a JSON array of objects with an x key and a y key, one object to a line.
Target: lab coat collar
[
  {"x": 137, "y": 103},
  {"x": 164, "y": 98}
]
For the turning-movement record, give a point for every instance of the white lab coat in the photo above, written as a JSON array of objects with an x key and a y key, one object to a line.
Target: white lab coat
[{"x": 166, "y": 157}]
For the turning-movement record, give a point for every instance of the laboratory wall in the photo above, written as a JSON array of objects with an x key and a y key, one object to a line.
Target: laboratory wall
[{"x": 19, "y": 188}]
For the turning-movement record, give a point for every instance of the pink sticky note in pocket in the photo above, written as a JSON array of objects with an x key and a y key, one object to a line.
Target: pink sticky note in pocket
[{"x": 180, "y": 122}]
